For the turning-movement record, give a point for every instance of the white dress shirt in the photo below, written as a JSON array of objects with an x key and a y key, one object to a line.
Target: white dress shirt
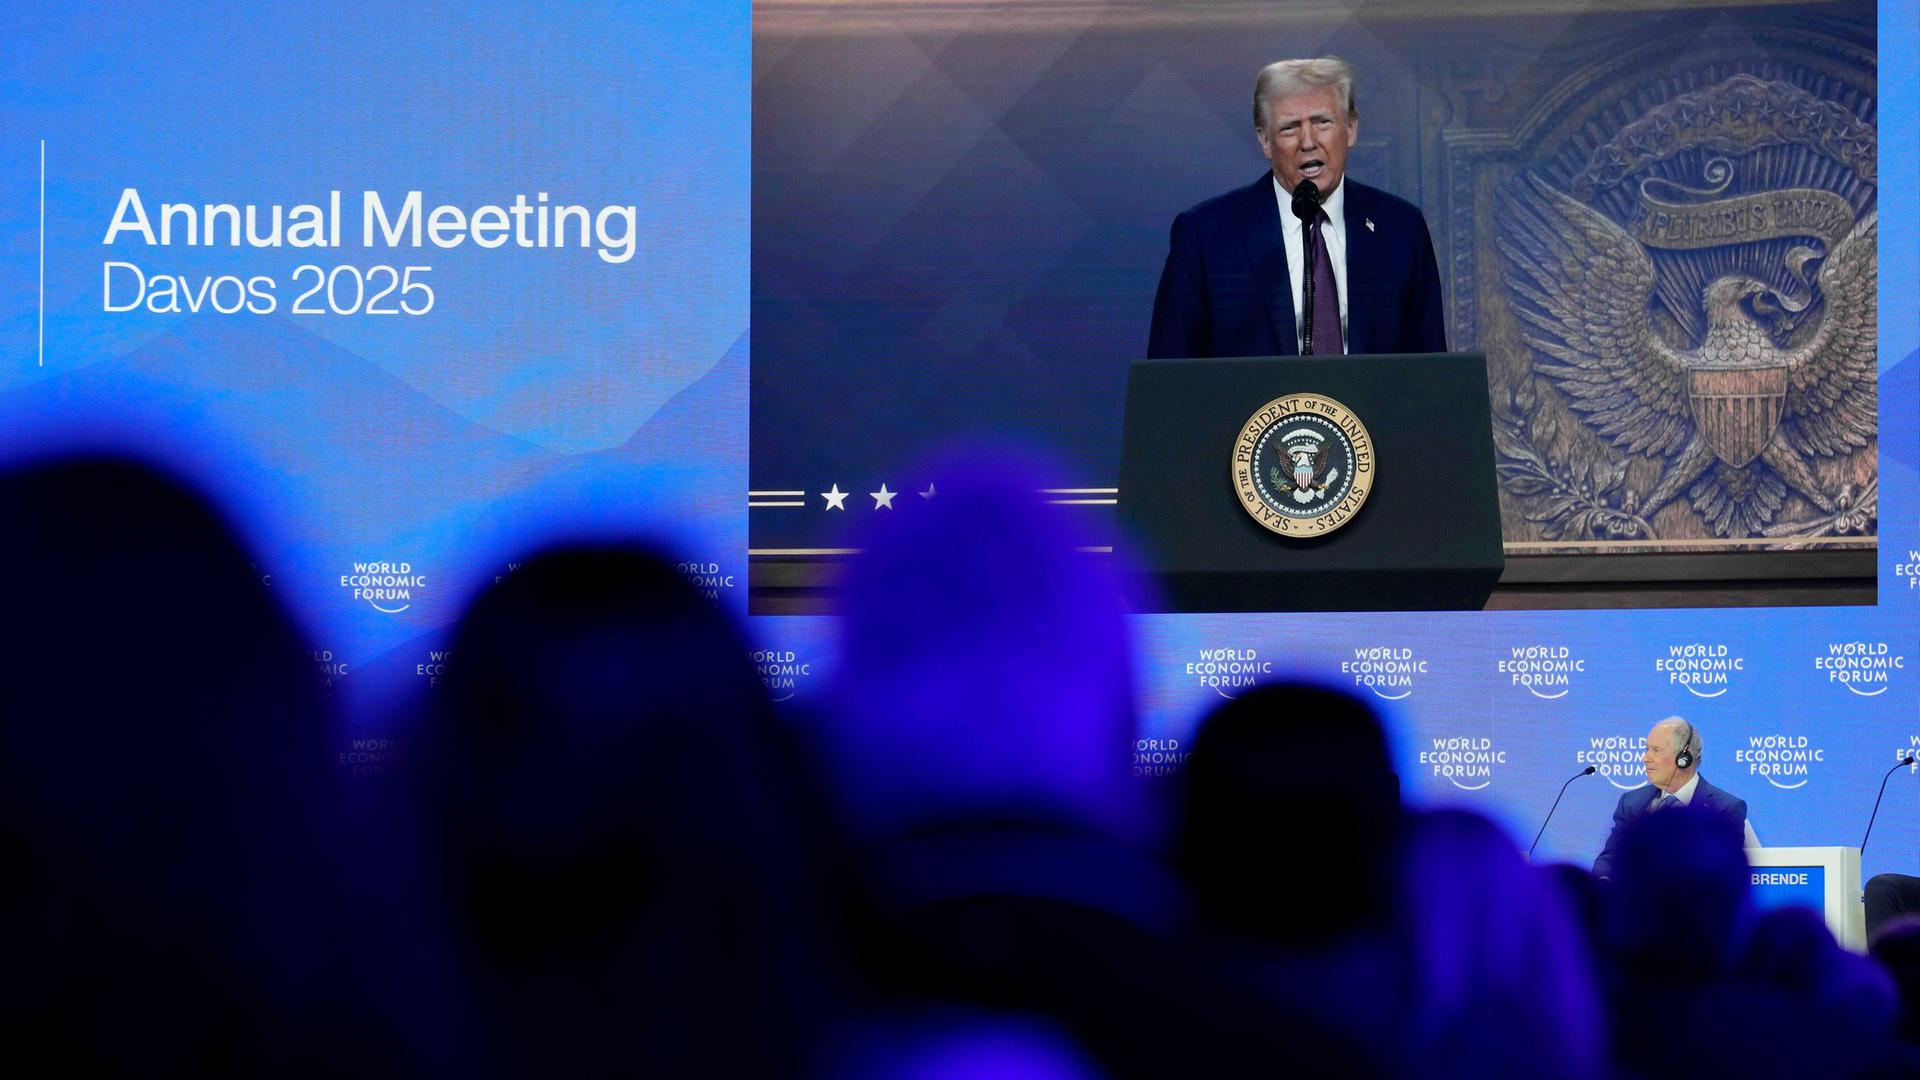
[{"x": 1334, "y": 233}]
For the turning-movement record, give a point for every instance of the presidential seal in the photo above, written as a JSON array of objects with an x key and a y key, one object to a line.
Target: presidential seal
[{"x": 1303, "y": 465}]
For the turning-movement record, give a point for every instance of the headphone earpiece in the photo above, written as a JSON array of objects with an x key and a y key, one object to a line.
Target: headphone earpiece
[{"x": 1684, "y": 759}]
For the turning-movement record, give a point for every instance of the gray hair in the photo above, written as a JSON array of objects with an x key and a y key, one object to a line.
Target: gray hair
[
  {"x": 1284, "y": 78},
  {"x": 1686, "y": 736}
]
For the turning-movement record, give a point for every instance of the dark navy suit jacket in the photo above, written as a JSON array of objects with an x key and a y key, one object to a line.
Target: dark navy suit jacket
[
  {"x": 1225, "y": 290},
  {"x": 1638, "y": 802}
]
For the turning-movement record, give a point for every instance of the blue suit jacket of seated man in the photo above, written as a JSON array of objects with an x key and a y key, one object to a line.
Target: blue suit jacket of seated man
[
  {"x": 1637, "y": 803},
  {"x": 1226, "y": 290}
]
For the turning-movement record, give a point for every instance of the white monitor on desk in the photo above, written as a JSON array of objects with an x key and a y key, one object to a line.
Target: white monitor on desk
[{"x": 1826, "y": 879}]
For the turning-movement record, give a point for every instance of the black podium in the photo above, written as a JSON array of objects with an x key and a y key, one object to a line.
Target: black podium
[{"x": 1427, "y": 536}]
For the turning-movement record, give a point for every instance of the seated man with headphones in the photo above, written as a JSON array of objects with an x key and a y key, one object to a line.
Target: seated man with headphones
[{"x": 1672, "y": 761}]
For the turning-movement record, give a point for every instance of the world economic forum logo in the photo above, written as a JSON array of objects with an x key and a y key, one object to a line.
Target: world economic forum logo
[
  {"x": 1908, "y": 571},
  {"x": 783, "y": 672},
  {"x": 1865, "y": 668},
  {"x": 372, "y": 756},
  {"x": 1618, "y": 758},
  {"x": 1701, "y": 669},
  {"x": 329, "y": 666},
  {"x": 708, "y": 577},
  {"x": 1387, "y": 672},
  {"x": 1158, "y": 757},
  {"x": 1545, "y": 671},
  {"x": 1227, "y": 671},
  {"x": 433, "y": 669},
  {"x": 1465, "y": 761},
  {"x": 388, "y": 587},
  {"x": 1785, "y": 761}
]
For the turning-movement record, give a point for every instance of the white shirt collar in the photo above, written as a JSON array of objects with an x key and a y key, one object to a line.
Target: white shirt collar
[
  {"x": 1335, "y": 205},
  {"x": 1685, "y": 794}
]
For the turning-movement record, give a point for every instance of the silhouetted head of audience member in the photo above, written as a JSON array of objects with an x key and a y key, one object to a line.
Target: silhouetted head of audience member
[
  {"x": 1585, "y": 898},
  {"x": 1682, "y": 912},
  {"x": 956, "y": 1044},
  {"x": 985, "y": 668},
  {"x": 1286, "y": 780},
  {"x": 979, "y": 739},
  {"x": 1896, "y": 946},
  {"x": 167, "y": 788},
  {"x": 134, "y": 594},
  {"x": 1501, "y": 978},
  {"x": 608, "y": 794},
  {"x": 1792, "y": 949}
]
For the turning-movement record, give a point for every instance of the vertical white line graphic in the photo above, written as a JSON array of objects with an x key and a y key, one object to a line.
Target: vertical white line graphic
[{"x": 42, "y": 359}]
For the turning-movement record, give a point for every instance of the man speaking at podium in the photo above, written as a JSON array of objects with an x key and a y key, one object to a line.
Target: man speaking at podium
[
  {"x": 1672, "y": 761},
  {"x": 1302, "y": 261}
]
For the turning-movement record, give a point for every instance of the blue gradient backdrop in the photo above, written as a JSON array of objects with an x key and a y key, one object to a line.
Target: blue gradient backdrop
[{"x": 547, "y": 393}]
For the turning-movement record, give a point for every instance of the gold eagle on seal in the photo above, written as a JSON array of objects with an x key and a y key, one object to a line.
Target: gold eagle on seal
[{"x": 1736, "y": 396}]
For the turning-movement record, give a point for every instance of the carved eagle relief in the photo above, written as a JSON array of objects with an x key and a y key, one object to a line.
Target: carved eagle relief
[{"x": 1583, "y": 290}]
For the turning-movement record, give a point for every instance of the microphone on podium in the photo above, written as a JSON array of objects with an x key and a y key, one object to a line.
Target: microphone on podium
[
  {"x": 1306, "y": 207},
  {"x": 1908, "y": 760},
  {"x": 1306, "y": 201},
  {"x": 1588, "y": 771}
]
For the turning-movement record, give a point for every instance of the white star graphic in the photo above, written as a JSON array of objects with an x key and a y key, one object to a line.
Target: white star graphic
[
  {"x": 929, "y": 493},
  {"x": 883, "y": 499},
  {"x": 836, "y": 499}
]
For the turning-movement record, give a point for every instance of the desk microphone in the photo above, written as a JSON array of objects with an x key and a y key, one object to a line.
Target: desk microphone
[
  {"x": 1306, "y": 207},
  {"x": 1908, "y": 760},
  {"x": 1588, "y": 771}
]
